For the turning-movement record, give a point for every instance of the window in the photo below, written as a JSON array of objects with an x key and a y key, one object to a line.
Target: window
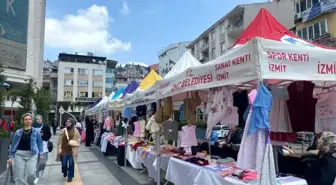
[
  {"x": 299, "y": 33},
  {"x": 201, "y": 114},
  {"x": 316, "y": 27},
  {"x": 305, "y": 33},
  {"x": 313, "y": 31},
  {"x": 98, "y": 72},
  {"x": 68, "y": 70},
  {"x": 213, "y": 36},
  {"x": 222, "y": 46},
  {"x": 83, "y": 94},
  {"x": 222, "y": 28},
  {"x": 97, "y": 83},
  {"x": 67, "y": 94},
  {"x": 82, "y": 71},
  {"x": 68, "y": 82},
  {"x": 109, "y": 75},
  {"x": 83, "y": 83},
  {"x": 213, "y": 53},
  {"x": 96, "y": 95},
  {"x": 108, "y": 85},
  {"x": 303, "y": 5},
  {"x": 310, "y": 32},
  {"x": 297, "y": 7}
]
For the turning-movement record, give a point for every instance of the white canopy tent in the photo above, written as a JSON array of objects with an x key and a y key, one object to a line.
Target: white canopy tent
[
  {"x": 103, "y": 104},
  {"x": 141, "y": 97}
]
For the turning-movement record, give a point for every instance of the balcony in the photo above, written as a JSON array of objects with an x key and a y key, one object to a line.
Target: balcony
[
  {"x": 53, "y": 75},
  {"x": 205, "y": 46},
  {"x": 234, "y": 30}
]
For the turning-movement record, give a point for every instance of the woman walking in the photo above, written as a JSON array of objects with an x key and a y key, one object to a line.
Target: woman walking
[
  {"x": 67, "y": 148},
  {"x": 46, "y": 135},
  {"x": 26, "y": 147}
]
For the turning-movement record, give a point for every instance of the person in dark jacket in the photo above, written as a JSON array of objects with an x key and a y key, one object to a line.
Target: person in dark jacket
[
  {"x": 324, "y": 167},
  {"x": 89, "y": 123},
  {"x": 46, "y": 135}
]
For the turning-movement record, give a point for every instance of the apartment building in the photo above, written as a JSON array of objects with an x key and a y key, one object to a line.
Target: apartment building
[
  {"x": 81, "y": 78},
  {"x": 221, "y": 36},
  {"x": 110, "y": 79},
  {"x": 315, "y": 20},
  {"x": 169, "y": 55}
]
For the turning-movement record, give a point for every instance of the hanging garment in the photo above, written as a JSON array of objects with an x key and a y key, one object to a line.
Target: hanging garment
[
  {"x": 170, "y": 130},
  {"x": 301, "y": 106},
  {"x": 240, "y": 100},
  {"x": 164, "y": 112},
  {"x": 152, "y": 126},
  {"x": 142, "y": 128},
  {"x": 189, "y": 136},
  {"x": 279, "y": 117},
  {"x": 141, "y": 111},
  {"x": 128, "y": 113},
  {"x": 221, "y": 109},
  {"x": 268, "y": 174},
  {"x": 181, "y": 110},
  {"x": 326, "y": 113},
  {"x": 190, "y": 105},
  {"x": 252, "y": 148},
  {"x": 137, "y": 131}
]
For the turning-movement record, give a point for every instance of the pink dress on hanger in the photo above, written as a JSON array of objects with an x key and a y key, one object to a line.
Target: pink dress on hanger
[
  {"x": 137, "y": 129},
  {"x": 252, "y": 148},
  {"x": 326, "y": 113},
  {"x": 189, "y": 136}
]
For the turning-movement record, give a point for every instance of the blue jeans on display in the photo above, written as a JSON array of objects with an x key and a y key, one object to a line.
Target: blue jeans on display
[{"x": 68, "y": 166}]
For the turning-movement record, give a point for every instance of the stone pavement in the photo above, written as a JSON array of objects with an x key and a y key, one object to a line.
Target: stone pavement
[{"x": 90, "y": 170}]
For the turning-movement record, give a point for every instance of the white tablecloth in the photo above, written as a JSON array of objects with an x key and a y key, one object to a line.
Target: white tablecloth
[
  {"x": 133, "y": 158},
  {"x": 181, "y": 173},
  {"x": 206, "y": 176},
  {"x": 164, "y": 161}
]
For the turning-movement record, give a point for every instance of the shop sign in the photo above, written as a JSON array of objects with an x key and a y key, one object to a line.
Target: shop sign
[
  {"x": 13, "y": 33},
  {"x": 317, "y": 9}
]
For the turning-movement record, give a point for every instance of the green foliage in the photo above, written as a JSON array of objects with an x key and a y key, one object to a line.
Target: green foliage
[
  {"x": 3, "y": 133},
  {"x": 26, "y": 95},
  {"x": 43, "y": 102},
  {"x": 2, "y": 90}
]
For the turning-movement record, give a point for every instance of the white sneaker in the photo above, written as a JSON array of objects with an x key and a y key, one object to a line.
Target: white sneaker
[
  {"x": 41, "y": 173},
  {"x": 36, "y": 180}
]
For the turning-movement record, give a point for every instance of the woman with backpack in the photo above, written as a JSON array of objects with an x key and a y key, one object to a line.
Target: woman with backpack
[{"x": 46, "y": 135}]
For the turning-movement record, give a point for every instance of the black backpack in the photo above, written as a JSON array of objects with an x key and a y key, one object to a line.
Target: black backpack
[{"x": 50, "y": 146}]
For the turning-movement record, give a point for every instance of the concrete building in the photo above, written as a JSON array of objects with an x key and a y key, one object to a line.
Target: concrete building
[
  {"x": 220, "y": 37},
  {"x": 110, "y": 79},
  {"x": 81, "y": 78},
  {"x": 21, "y": 44},
  {"x": 170, "y": 55},
  {"x": 316, "y": 21}
]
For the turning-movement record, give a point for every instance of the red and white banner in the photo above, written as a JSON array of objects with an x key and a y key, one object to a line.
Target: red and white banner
[{"x": 235, "y": 67}]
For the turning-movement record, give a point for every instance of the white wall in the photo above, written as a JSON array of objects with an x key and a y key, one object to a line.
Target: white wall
[
  {"x": 90, "y": 67},
  {"x": 35, "y": 46}
]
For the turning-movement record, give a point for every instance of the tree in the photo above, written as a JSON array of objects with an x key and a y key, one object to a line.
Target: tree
[
  {"x": 26, "y": 94},
  {"x": 3, "y": 90},
  {"x": 43, "y": 102}
]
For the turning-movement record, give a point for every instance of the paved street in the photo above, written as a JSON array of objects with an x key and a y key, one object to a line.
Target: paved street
[{"x": 93, "y": 168}]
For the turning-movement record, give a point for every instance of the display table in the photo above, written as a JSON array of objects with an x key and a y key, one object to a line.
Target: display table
[
  {"x": 181, "y": 173},
  {"x": 132, "y": 157},
  {"x": 164, "y": 161}
]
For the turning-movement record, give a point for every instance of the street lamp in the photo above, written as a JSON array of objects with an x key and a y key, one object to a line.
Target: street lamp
[{"x": 61, "y": 112}]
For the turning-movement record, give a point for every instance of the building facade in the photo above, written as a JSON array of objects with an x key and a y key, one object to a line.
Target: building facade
[
  {"x": 110, "y": 79},
  {"x": 81, "y": 78},
  {"x": 22, "y": 53},
  {"x": 170, "y": 55},
  {"x": 221, "y": 36},
  {"x": 315, "y": 20}
]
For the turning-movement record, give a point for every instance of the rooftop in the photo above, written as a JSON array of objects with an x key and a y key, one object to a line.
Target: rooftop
[{"x": 76, "y": 58}]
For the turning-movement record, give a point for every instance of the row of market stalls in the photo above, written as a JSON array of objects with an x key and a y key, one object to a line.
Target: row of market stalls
[{"x": 266, "y": 55}]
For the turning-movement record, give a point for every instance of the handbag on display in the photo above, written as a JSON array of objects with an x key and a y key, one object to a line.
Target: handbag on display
[{"x": 71, "y": 142}]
